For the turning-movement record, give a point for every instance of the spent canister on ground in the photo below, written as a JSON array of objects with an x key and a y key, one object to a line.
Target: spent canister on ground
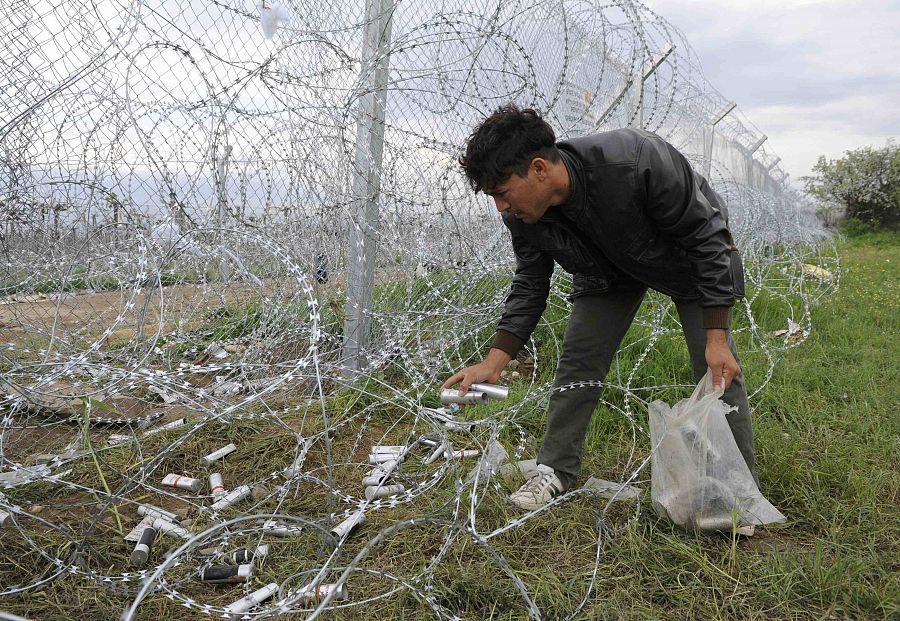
[
  {"x": 141, "y": 551},
  {"x": 216, "y": 485},
  {"x": 439, "y": 450},
  {"x": 374, "y": 492},
  {"x": 245, "y": 556},
  {"x": 119, "y": 438},
  {"x": 222, "y": 574},
  {"x": 279, "y": 529},
  {"x": 385, "y": 466},
  {"x": 377, "y": 479},
  {"x": 465, "y": 453},
  {"x": 182, "y": 482},
  {"x": 238, "y": 608},
  {"x": 175, "y": 424},
  {"x": 217, "y": 455},
  {"x": 310, "y": 595},
  {"x": 349, "y": 525},
  {"x": 234, "y": 496},
  {"x": 383, "y": 456},
  {"x": 156, "y": 512},
  {"x": 169, "y": 528}
]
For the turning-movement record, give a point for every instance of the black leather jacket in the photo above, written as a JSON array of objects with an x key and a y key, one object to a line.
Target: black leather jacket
[{"x": 637, "y": 215}]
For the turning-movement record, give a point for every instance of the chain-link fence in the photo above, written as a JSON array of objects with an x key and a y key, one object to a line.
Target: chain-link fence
[{"x": 223, "y": 210}]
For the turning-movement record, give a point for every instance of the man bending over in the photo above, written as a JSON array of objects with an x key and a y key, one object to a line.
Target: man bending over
[{"x": 621, "y": 211}]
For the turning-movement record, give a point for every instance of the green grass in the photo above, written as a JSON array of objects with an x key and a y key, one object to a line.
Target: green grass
[{"x": 828, "y": 443}]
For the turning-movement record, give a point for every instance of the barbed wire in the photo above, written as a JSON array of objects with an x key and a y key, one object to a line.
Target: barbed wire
[{"x": 177, "y": 210}]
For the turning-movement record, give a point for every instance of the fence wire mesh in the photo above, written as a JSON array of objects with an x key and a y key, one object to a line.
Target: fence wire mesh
[{"x": 215, "y": 210}]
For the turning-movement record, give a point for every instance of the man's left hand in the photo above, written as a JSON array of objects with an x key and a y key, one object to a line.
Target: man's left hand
[{"x": 720, "y": 360}]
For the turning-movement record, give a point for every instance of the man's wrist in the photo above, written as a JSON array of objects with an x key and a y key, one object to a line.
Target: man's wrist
[
  {"x": 497, "y": 359},
  {"x": 716, "y": 336}
]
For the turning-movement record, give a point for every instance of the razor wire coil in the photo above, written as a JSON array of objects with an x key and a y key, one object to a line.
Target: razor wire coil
[{"x": 176, "y": 197}]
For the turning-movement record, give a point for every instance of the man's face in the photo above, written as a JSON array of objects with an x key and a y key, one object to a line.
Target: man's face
[{"x": 526, "y": 197}]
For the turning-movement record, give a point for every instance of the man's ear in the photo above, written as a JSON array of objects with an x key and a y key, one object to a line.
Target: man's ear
[{"x": 541, "y": 168}]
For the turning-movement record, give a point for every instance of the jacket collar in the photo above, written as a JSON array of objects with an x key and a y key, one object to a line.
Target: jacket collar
[{"x": 574, "y": 206}]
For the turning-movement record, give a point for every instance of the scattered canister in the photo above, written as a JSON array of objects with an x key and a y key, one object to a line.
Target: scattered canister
[
  {"x": 182, "y": 482},
  {"x": 169, "y": 528},
  {"x": 245, "y": 556},
  {"x": 119, "y": 438},
  {"x": 465, "y": 453},
  {"x": 385, "y": 466},
  {"x": 376, "y": 459},
  {"x": 311, "y": 595},
  {"x": 279, "y": 529},
  {"x": 238, "y": 608},
  {"x": 376, "y": 479},
  {"x": 374, "y": 492},
  {"x": 141, "y": 551},
  {"x": 175, "y": 424},
  {"x": 435, "y": 454},
  {"x": 222, "y": 574},
  {"x": 234, "y": 496},
  {"x": 217, "y": 455},
  {"x": 156, "y": 512},
  {"x": 216, "y": 485},
  {"x": 349, "y": 525}
]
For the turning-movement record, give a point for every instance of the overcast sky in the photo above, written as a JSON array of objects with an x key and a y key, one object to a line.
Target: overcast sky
[{"x": 818, "y": 77}]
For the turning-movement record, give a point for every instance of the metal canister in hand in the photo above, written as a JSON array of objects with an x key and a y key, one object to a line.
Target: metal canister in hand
[{"x": 451, "y": 395}]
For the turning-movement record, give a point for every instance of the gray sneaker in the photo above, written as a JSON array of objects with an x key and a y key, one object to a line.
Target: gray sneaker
[{"x": 542, "y": 486}]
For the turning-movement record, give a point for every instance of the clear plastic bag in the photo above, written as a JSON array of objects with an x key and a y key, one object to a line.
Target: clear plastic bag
[{"x": 699, "y": 478}]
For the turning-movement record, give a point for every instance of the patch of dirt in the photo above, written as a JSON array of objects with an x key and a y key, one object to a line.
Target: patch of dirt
[
  {"x": 20, "y": 444},
  {"x": 769, "y": 542},
  {"x": 81, "y": 310}
]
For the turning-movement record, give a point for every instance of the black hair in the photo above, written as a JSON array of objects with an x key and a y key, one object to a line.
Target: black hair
[{"x": 504, "y": 144}]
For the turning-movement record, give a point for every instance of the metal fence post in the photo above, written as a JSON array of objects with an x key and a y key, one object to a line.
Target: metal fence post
[
  {"x": 362, "y": 228},
  {"x": 647, "y": 71},
  {"x": 751, "y": 163},
  {"x": 710, "y": 145}
]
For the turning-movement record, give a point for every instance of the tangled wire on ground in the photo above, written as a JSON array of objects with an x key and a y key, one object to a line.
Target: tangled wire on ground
[{"x": 176, "y": 189}]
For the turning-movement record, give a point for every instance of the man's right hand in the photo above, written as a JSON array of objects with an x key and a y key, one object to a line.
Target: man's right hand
[{"x": 488, "y": 370}]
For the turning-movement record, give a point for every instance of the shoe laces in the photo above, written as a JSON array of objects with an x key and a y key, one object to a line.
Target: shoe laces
[{"x": 541, "y": 478}]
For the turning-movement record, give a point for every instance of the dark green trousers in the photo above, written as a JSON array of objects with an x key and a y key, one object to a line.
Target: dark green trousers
[{"x": 596, "y": 329}]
